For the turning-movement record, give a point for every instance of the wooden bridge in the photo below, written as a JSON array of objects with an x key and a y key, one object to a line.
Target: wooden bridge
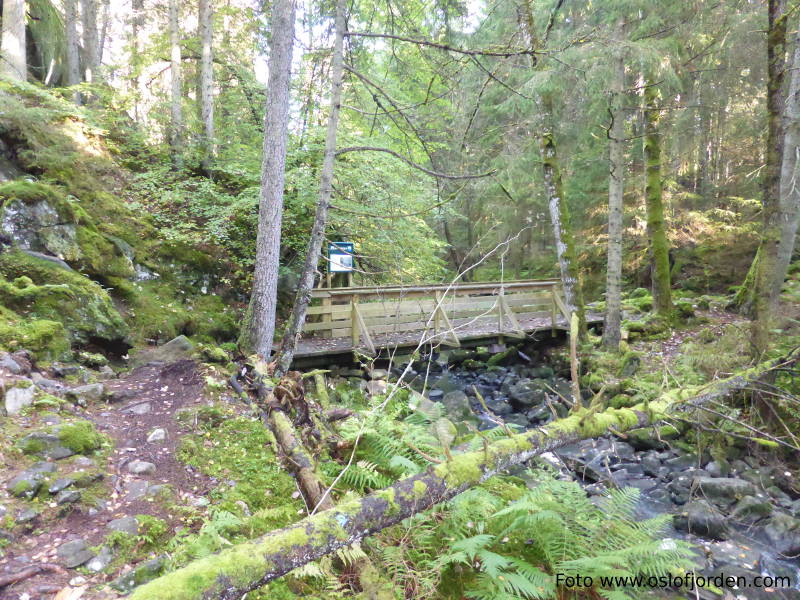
[{"x": 371, "y": 319}]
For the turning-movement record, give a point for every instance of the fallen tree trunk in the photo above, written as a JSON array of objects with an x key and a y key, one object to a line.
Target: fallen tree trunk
[
  {"x": 249, "y": 565},
  {"x": 301, "y": 461}
]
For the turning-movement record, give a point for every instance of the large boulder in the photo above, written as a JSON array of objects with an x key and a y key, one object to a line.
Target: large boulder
[
  {"x": 41, "y": 218},
  {"x": 457, "y": 407},
  {"x": 723, "y": 490},
  {"x": 39, "y": 290}
]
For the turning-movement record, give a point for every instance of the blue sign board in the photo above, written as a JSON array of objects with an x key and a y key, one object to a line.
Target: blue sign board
[{"x": 340, "y": 255}]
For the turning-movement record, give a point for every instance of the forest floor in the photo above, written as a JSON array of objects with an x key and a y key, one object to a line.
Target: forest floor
[{"x": 141, "y": 477}]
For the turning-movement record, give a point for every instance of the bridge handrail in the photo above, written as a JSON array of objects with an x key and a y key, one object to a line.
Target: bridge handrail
[{"x": 429, "y": 288}]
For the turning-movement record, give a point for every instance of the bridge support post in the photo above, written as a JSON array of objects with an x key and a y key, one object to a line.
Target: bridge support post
[
  {"x": 553, "y": 311},
  {"x": 355, "y": 325}
]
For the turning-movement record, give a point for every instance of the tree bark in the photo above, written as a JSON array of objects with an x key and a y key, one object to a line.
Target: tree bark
[
  {"x": 13, "y": 63},
  {"x": 764, "y": 301},
  {"x": 259, "y": 325},
  {"x": 659, "y": 245},
  {"x": 137, "y": 26},
  {"x": 73, "y": 74},
  {"x": 206, "y": 83},
  {"x": 90, "y": 41},
  {"x": 298, "y": 316},
  {"x": 247, "y": 566},
  {"x": 616, "y": 188},
  {"x": 176, "y": 88},
  {"x": 560, "y": 219},
  {"x": 790, "y": 186}
]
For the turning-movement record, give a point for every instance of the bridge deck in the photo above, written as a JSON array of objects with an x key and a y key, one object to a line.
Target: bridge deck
[
  {"x": 465, "y": 328},
  {"x": 372, "y": 319}
]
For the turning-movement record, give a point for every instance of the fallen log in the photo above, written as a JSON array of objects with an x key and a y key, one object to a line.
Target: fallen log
[{"x": 231, "y": 573}]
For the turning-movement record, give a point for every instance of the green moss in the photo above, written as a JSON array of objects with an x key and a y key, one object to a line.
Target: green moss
[
  {"x": 40, "y": 289},
  {"x": 420, "y": 487},
  {"x": 47, "y": 340},
  {"x": 464, "y": 468},
  {"x": 81, "y": 437}
]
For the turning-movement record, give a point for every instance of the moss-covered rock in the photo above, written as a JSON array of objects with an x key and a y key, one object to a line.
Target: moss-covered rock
[
  {"x": 41, "y": 290},
  {"x": 47, "y": 340}
]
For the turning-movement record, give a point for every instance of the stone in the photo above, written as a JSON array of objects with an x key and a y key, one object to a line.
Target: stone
[
  {"x": 18, "y": 398},
  {"x": 51, "y": 386},
  {"x": 527, "y": 392},
  {"x": 141, "y": 467},
  {"x": 751, "y": 509},
  {"x": 176, "y": 349},
  {"x": 83, "y": 462},
  {"x": 25, "y": 485},
  {"x": 101, "y": 561},
  {"x": 157, "y": 435},
  {"x": 85, "y": 394},
  {"x": 457, "y": 407},
  {"x": 46, "y": 445},
  {"x": 682, "y": 462},
  {"x": 74, "y": 554},
  {"x": 26, "y": 515},
  {"x": 3, "y": 510},
  {"x": 8, "y": 363},
  {"x": 135, "y": 489},
  {"x": 68, "y": 497},
  {"x": 60, "y": 484},
  {"x": 700, "y": 518},
  {"x": 376, "y": 387},
  {"x": 140, "y": 574},
  {"x": 436, "y": 395},
  {"x": 723, "y": 490},
  {"x": 139, "y": 409},
  {"x": 446, "y": 383},
  {"x": 651, "y": 464},
  {"x": 63, "y": 370},
  {"x": 127, "y": 525},
  {"x": 718, "y": 468},
  {"x": 379, "y": 373},
  {"x": 197, "y": 501},
  {"x": 157, "y": 490},
  {"x": 784, "y": 533},
  {"x": 105, "y": 372}
]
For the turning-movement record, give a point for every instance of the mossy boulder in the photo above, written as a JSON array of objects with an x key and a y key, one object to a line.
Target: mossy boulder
[
  {"x": 40, "y": 289},
  {"x": 43, "y": 218},
  {"x": 46, "y": 339}
]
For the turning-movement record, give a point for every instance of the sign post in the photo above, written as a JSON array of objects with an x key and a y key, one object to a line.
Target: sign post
[{"x": 341, "y": 257}]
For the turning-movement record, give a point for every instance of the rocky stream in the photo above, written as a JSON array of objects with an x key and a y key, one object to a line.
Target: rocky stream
[{"x": 741, "y": 512}]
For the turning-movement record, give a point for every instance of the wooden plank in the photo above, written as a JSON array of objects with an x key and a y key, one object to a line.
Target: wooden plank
[
  {"x": 364, "y": 331},
  {"x": 419, "y": 306}
]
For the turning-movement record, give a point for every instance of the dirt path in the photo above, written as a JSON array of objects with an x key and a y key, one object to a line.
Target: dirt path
[{"x": 146, "y": 401}]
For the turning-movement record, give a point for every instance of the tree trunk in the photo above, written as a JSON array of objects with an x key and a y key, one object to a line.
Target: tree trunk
[
  {"x": 13, "y": 62},
  {"x": 298, "y": 316},
  {"x": 790, "y": 186},
  {"x": 764, "y": 301},
  {"x": 105, "y": 19},
  {"x": 90, "y": 41},
  {"x": 560, "y": 218},
  {"x": 206, "y": 84},
  {"x": 616, "y": 188},
  {"x": 659, "y": 246},
  {"x": 259, "y": 326},
  {"x": 231, "y": 573},
  {"x": 137, "y": 27},
  {"x": 176, "y": 88},
  {"x": 73, "y": 74}
]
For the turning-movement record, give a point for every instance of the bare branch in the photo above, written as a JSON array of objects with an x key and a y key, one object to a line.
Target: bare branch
[
  {"x": 411, "y": 163},
  {"x": 500, "y": 53}
]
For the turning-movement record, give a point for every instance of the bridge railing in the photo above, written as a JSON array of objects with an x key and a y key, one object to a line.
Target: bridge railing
[{"x": 364, "y": 313}]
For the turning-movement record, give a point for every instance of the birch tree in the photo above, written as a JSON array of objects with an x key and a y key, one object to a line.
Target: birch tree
[
  {"x": 176, "y": 84},
  {"x": 298, "y": 316},
  {"x": 259, "y": 327},
  {"x": 616, "y": 188},
  {"x": 206, "y": 83},
  {"x": 12, "y": 45}
]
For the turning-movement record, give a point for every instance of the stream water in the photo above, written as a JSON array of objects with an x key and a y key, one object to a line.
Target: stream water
[{"x": 741, "y": 513}]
